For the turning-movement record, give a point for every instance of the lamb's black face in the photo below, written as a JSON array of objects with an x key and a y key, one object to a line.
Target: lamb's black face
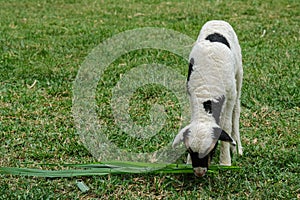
[
  {"x": 198, "y": 162},
  {"x": 200, "y": 165}
]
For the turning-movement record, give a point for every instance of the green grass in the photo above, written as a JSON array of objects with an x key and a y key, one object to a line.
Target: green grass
[
  {"x": 108, "y": 168},
  {"x": 48, "y": 41}
]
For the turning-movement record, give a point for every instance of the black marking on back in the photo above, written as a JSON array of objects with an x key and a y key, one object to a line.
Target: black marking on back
[
  {"x": 191, "y": 64},
  {"x": 207, "y": 106},
  {"x": 217, "y": 37}
]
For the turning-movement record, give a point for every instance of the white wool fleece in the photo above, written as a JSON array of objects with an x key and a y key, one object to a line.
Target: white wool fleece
[
  {"x": 227, "y": 31},
  {"x": 216, "y": 72},
  {"x": 212, "y": 77}
]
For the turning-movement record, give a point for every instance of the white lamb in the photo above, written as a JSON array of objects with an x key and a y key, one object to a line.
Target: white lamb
[{"x": 214, "y": 86}]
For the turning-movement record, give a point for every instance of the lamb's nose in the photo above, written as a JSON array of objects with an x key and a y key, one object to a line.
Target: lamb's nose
[{"x": 199, "y": 171}]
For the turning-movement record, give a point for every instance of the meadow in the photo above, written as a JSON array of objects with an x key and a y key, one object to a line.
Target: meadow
[{"x": 43, "y": 45}]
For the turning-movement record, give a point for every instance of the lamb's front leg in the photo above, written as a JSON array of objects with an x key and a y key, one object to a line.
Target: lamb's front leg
[
  {"x": 226, "y": 124},
  {"x": 225, "y": 158}
]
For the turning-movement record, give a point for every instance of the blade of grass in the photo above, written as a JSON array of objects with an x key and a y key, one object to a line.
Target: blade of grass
[
  {"x": 50, "y": 173},
  {"x": 118, "y": 164},
  {"x": 106, "y": 168}
]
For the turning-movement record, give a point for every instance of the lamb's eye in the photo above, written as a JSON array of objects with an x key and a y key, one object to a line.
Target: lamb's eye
[{"x": 207, "y": 106}]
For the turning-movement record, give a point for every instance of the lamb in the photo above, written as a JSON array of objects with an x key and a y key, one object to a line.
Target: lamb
[{"x": 214, "y": 87}]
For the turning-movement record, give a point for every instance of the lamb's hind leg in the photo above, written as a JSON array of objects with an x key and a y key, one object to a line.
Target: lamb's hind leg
[{"x": 235, "y": 128}]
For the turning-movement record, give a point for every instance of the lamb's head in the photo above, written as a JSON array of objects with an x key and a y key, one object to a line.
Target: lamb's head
[
  {"x": 201, "y": 141},
  {"x": 201, "y": 136}
]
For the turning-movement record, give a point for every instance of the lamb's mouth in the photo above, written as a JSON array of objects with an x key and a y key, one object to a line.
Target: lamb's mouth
[{"x": 200, "y": 171}]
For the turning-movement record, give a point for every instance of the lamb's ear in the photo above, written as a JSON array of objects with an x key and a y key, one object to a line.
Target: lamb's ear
[
  {"x": 182, "y": 136},
  {"x": 226, "y": 138}
]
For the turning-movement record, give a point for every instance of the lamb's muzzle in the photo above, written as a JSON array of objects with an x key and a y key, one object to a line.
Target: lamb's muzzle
[{"x": 199, "y": 171}]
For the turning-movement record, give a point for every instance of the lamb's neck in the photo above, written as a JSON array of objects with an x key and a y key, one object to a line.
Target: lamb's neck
[{"x": 198, "y": 114}]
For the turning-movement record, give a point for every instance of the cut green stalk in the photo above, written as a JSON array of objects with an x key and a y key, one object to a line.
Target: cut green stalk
[{"x": 105, "y": 168}]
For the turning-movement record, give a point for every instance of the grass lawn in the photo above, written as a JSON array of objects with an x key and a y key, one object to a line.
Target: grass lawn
[{"x": 44, "y": 43}]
